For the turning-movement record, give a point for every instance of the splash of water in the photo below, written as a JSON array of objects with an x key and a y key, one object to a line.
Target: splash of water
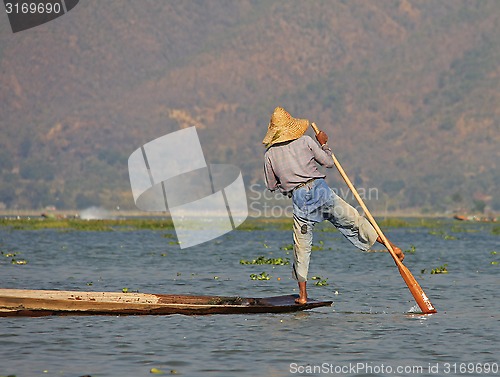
[
  {"x": 95, "y": 213},
  {"x": 415, "y": 309}
]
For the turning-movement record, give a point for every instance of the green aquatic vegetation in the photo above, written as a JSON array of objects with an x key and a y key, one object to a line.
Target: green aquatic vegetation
[
  {"x": 287, "y": 247},
  {"x": 320, "y": 282},
  {"x": 463, "y": 229},
  {"x": 496, "y": 230},
  {"x": 318, "y": 247},
  {"x": 411, "y": 250},
  {"x": 86, "y": 225},
  {"x": 430, "y": 223},
  {"x": 442, "y": 234},
  {"x": 495, "y": 262},
  {"x": 128, "y": 290},
  {"x": 156, "y": 371},
  {"x": 13, "y": 260},
  {"x": 394, "y": 222},
  {"x": 251, "y": 224},
  {"x": 440, "y": 270},
  {"x": 19, "y": 261},
  {"x": 262, "y": 276},
  {"x": 8, "y": 255},
  {"x": 263, "y": 260}
]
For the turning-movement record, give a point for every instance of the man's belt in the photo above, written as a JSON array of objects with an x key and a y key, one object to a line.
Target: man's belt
[{"x": 300, "y": 185}]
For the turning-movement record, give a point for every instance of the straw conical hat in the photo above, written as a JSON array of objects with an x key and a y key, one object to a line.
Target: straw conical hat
[{"x": 283, "y": 127}]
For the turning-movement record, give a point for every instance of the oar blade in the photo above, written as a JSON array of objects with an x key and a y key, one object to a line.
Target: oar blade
[{"x": 418, "y": 293}]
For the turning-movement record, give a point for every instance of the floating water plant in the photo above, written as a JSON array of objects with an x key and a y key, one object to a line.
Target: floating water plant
[
  {"x": 318, "y": 247},
  {"x": 262, "y": 276},
  {"x": 264, "y": 260},
  {"x": 442, "y": 234},
  {"x": 9, "y": 255},
  {"x": 156, "y": 371},
  {"x": 320, "y": 281},
  {"x": 394, "y": 223},
  {"x": 463, "y": 229},
  {"x": 14, "y": 260},
  {"x": 19, "y": 261},
  {"x": 411, "y": 250},
  {"x": 494, "y": 262},
  {"x": 440, "y": 270},
  {"x": 87, "y": 225}
]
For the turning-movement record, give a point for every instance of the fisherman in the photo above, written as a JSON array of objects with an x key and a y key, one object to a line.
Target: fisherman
[{"x": 290, "y": 166}]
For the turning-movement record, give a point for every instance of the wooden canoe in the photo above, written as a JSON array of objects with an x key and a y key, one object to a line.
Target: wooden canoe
[{"x": 21, "y": 302}]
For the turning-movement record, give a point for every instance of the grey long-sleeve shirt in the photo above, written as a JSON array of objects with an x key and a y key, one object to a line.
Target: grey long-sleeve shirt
[{"x": 289, "y": 164}]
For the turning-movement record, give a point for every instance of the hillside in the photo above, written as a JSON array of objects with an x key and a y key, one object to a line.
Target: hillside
[{"x": 408, "y": 91}]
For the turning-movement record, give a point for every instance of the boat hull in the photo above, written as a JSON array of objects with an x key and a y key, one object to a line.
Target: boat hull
[{"x": 20, "y": 302}]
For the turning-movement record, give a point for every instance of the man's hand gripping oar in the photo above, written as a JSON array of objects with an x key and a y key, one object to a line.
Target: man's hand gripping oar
[{"x": 420, "y": 297}]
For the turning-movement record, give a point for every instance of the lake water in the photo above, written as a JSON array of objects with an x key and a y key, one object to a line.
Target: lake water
[{"x": 367, "y": 332}]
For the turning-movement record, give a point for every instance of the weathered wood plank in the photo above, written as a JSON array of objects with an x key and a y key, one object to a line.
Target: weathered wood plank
[{"x": 20, "y": 302}]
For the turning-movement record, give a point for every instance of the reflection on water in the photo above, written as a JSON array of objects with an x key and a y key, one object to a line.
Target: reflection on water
[{"x": 372, "y": 322}]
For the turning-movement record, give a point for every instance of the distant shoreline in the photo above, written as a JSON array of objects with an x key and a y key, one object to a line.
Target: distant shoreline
[
  {"x": 132, "y": 213},
  {"x": 141, "y": 214}
]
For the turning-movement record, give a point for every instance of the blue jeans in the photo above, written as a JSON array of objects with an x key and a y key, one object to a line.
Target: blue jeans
[{"x": 315, "y": 203}]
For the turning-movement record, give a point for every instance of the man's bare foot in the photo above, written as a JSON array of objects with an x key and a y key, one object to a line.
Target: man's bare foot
[{"x": 302, "y": 299}]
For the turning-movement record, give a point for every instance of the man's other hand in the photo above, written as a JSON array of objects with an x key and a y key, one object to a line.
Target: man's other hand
[{"x": 322, "y": 137}]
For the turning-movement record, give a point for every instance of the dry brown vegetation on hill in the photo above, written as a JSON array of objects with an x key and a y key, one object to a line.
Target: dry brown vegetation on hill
[{"x": 408, "y": 91}]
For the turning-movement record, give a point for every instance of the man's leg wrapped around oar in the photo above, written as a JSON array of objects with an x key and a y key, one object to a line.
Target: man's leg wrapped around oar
[{"x": 314, "y": 203}]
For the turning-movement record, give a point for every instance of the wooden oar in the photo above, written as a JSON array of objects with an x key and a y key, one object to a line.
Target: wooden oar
[{"x": 420, "y": 297}]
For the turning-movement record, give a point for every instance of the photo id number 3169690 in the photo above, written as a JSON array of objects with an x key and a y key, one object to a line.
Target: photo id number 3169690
[
  {"x": 32, "y": 7},
  {"x": 470, "y": 368}
]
